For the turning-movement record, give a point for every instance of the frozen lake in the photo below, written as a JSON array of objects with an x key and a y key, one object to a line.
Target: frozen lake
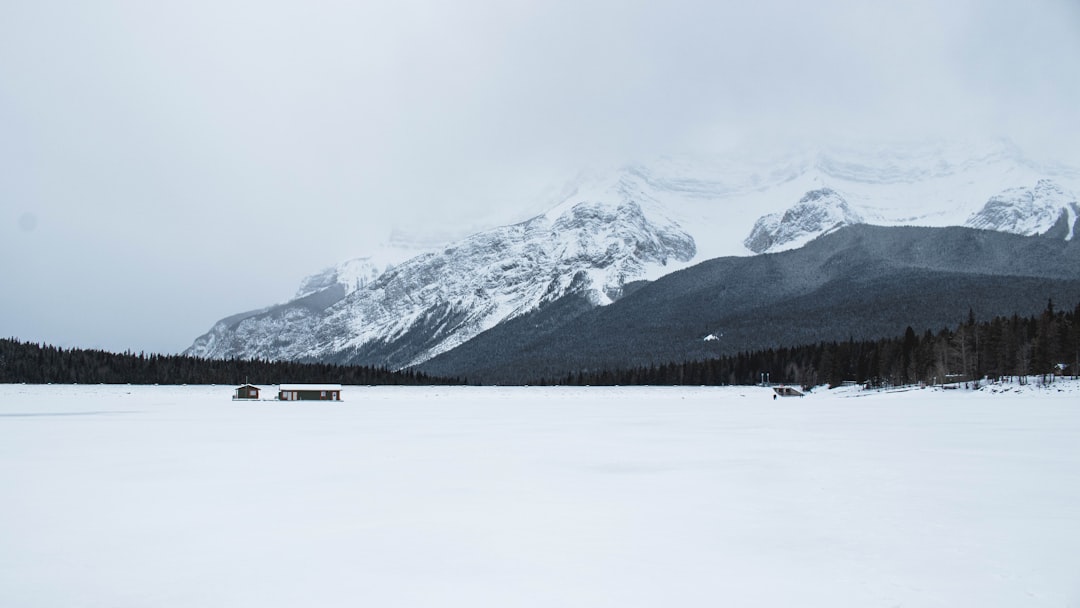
[{"x": 124, "y": 496}]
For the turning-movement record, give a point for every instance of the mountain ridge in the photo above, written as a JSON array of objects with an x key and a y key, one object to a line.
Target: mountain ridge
[
  {"x": 861, "y": 281},
  {"x": 610, "y": 231},
  {"x": 432, "y": 302}
]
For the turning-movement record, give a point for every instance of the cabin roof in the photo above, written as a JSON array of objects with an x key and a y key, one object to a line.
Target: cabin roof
[{"x": 310, "y": 387}]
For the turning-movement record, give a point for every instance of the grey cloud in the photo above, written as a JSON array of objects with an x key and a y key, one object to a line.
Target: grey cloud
[{"x": 173, "y": 151}]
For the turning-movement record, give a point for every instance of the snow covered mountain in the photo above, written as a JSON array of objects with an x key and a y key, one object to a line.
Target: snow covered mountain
[
  {"x": 612, "y": 228},
  {"x": 1029, "y": 211},
  {"x": 934, "y": 185},
  {"x": 1021, "y": 210},
  {"x": 861, "y": 282},
  {"x": 818, "y": 212},
  {"x": 433, "y": 302}
]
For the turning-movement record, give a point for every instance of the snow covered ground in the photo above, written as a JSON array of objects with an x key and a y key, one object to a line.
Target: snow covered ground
[{"x": 177, "y": 496}]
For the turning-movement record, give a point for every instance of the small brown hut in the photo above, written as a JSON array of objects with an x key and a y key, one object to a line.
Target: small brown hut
[{"x": 247, "y": 392}]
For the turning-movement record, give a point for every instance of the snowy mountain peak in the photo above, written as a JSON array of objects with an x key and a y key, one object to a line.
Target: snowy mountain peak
[
  {"x": 352, "y": 275},
  {"x": 817, "y": 212},
  {"x": 401, "y": 307},
  {"x": 1047, "y": 207},
  {"x": 428, "y": 304}
]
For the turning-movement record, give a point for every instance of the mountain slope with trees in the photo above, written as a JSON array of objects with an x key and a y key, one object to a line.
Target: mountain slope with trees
[
  {"x": 1045, "y": 345},
  {"x": 860, "y": 282}
]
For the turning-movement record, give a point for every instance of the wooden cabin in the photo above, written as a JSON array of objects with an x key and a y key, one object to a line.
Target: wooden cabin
[
  {"x": 309, "y": 392},
  {"x": 246, "y": 392}
]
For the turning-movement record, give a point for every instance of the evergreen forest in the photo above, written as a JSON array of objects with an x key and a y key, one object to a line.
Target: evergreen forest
[
  {"x": 1045, "y": 345},
  {"x": 41, "y": 364}
]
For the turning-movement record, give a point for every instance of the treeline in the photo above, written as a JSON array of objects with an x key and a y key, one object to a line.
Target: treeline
[
  {"x": 1044, "y": 344},
  {"x": 41, "y": 364}
]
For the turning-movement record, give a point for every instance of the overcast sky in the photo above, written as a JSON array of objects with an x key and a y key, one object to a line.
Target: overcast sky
[{"x": 165, "y": 164}]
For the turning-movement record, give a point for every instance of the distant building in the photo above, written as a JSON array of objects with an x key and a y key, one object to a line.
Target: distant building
[
  {"x": 787, "y": 391},
  {"x": 310, "y": 392},
  {"x": 246, "y": 392}
]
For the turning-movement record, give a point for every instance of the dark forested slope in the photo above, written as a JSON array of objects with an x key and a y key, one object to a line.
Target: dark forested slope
[
  {"x": 1044, "y": 345},
  {"x": 860, "y": 282}
]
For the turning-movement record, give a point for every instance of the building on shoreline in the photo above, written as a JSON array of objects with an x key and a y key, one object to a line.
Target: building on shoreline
[{"x": 309, "y": 392}]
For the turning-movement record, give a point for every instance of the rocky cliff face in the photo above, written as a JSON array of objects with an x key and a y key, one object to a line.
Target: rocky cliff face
[
  {"x": 818, "y": 212},
  {"x": 434, "y": 302},
  {"x": 1041, "y": 209}
]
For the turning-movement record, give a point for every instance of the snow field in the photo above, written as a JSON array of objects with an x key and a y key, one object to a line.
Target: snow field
[{"x": 177, "y": 496}]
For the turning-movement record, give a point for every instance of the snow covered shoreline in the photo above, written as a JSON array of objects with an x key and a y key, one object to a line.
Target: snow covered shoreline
[{"x": 649, "y": 496}]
